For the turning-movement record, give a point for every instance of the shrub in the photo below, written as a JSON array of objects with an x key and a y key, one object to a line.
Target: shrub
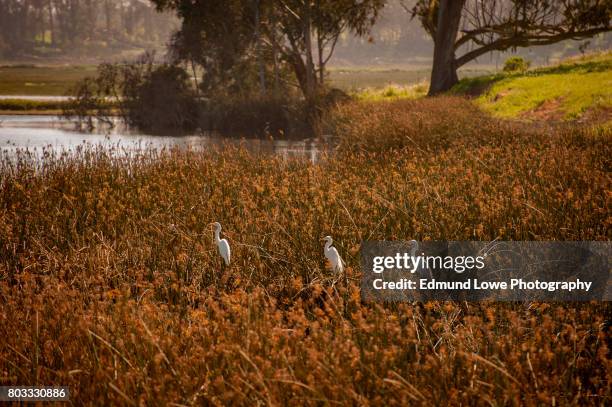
[
  {"x": 153, "y": 98},
  {"x": 163, "y": 101},
  {"x": 264, "y": 115},
  {"x": 516, "y": 64},
  {"x": 247, "y": 116},
  {"x": 90, "y": 102}
]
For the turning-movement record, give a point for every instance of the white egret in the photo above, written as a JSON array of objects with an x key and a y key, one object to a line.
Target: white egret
[
  {"x": 423, "y": 268},
  {"x": 331, "y": 254},
  {"x": 222, "y": 244},
  {"x": 413, "y": 256},
  {"x": 415, "y": 247}
]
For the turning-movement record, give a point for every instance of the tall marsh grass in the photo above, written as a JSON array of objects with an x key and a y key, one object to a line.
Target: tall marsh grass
[{"x": 110, "y": 283}]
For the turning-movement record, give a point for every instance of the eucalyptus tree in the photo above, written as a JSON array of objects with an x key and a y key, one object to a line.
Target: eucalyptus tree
[{"x": 297, "y": 34}]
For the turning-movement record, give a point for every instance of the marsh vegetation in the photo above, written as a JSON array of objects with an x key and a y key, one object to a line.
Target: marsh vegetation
[{"x": 110, "y": 282}]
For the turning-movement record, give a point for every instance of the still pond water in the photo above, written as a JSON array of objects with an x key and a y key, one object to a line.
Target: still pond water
[{"x": 35, "y": 133}]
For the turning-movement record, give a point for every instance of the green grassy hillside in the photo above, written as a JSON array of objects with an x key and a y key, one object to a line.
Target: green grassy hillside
[{"x": 574, "y": 89}]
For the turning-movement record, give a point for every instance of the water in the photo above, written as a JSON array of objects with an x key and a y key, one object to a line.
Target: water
[{"x": 37, "y": 132}]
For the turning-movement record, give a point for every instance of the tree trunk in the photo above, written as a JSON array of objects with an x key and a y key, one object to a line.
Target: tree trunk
[
  {"x": 276, "y": 72},
  {"x": 312, "y": 97},
  {"x": 25, "y": 28},
  {"x": 195, "y": 75},
  {"x": 51, "y": 24},
  {"x": 108, "y": 16},
  {"x": 310, "y": 70},
  {"x": 258, "y": 51},
  {"x": 444, "y": 72},
  {"x": 321, "y": 60},
  {"x": 275, "y": 58},
  {"x": 41, "y": 22}
]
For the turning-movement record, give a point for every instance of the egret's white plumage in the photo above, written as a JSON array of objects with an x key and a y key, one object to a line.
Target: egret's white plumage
[
  {"x": 332, "y": 255},
  {"x": 222, "y": 244},
  {"x": 422, "y": 270},
  {"x": 415, "y": 247},
  {"x": 413, "y": 252}
]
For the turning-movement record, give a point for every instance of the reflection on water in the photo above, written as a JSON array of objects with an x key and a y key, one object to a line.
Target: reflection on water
[{"x": 36, "y": 133}]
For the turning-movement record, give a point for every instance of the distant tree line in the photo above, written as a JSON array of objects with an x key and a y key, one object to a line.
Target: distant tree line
[
  {"x": 45, "y": 28},
  {"x": 104, "y": 28}
]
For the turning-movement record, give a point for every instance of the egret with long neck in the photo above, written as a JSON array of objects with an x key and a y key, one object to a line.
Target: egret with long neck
[
  {"x": 415, "y": 247},
  {"x": 222, "y": 244},
  {"x": 413, "y": 253},
  {"x": 331, "y": 254}
]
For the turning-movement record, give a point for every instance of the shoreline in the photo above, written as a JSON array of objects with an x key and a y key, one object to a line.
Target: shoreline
[
  {"x": 5, "y": 112},
  {"x": 32, "y": 104}
]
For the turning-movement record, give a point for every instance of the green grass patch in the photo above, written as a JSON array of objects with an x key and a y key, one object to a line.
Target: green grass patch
[
  {"x": 565, "y": 91},
  {"x": 392, "y": 92},
  {"x": 26, "y": 105},
  {"x": 41, "y": 80},
  {"x": 355, "y": 80}
]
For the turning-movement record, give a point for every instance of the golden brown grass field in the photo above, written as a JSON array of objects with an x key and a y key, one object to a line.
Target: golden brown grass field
[{"x": 110, "y": 282}]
